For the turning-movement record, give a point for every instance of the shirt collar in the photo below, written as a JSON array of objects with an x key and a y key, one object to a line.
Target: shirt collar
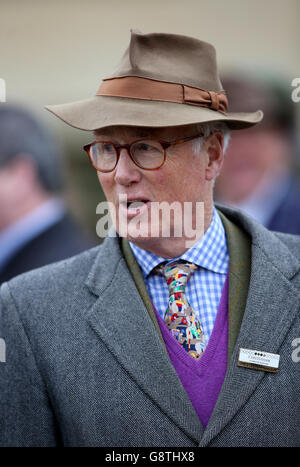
[{"x": 210, "y": 252}]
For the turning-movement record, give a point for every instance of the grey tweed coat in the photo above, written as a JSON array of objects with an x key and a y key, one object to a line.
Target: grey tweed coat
[{"x": 85, "y": 366}]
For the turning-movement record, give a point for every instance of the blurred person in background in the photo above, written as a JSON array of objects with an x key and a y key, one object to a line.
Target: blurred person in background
[
  {"x": 258, "y": 174},
  {"x": 35, "y": 228}
]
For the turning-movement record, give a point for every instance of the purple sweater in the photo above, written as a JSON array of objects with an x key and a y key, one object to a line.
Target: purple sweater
[{"x": 202, "y": 379}]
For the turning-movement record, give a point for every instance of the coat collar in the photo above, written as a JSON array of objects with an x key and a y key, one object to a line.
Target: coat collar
[{"x": 120, "y": 319}]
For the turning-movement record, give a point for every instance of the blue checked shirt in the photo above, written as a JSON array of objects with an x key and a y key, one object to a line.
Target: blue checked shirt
[{"x": 204, "y": 288}]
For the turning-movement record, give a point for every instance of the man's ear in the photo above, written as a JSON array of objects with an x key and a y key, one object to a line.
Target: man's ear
[{"x": 214, "y": 147}]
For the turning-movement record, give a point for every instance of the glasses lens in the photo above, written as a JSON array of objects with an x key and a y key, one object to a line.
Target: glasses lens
[
  {"x": 104, "y": 156},
  {"x": 148, "y": 154}
]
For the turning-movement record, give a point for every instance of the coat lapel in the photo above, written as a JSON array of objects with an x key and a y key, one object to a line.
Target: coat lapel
[
  {"x": 239, "y": 246},
  {"x": 121, "y": 320},
  {"x": 269, "y": 313},
  {"x": 137, "y": 276}
]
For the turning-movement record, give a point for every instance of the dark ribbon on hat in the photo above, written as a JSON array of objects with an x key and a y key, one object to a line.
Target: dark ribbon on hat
[{"x": 134, "y": 87}]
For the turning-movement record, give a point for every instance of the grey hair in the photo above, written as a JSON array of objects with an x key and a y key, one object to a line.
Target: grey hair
[
  {"x": 22, "y": 135},
  {"x": 209, "y": 128}
]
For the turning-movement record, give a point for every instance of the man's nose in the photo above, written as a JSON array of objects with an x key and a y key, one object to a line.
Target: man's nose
[{"x": 126, "y": 171}]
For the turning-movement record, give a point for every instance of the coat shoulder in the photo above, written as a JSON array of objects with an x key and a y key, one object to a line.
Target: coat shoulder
[
  {"x": 75, "y": 266},
  {"x": 291, "y": 241},
  {"x": 50, "y": 285}
]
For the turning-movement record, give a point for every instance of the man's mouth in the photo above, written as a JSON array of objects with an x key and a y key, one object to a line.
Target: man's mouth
[
  {"x": 134, "y": 207},
  {"x": 136, "y": 203}
]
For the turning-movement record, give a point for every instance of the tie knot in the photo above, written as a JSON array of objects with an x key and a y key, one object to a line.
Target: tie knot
[{"x": 177, "y": 274}]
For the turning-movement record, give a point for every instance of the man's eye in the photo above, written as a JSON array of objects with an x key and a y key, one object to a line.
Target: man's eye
[
  {"x": 145, "y": 147},
  {"x": 108, "y": 148}
]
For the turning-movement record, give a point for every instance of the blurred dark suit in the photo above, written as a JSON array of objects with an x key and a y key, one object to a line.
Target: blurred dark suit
[
  {"x": 61, "y": 240},
  {"x": 286, "y": 217}
]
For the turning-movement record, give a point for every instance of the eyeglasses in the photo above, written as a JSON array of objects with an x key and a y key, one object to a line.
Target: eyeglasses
[{"x": 146, "y": 153}]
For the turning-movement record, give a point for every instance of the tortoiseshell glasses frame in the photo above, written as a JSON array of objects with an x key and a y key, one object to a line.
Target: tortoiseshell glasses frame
[{"x": 161, "y": 146}]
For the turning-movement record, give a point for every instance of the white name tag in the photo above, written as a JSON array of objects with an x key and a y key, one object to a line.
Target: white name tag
[{"x": 259, "y": 360}]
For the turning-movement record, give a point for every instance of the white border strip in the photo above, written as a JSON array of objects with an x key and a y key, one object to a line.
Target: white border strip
[{"x": 2, "y": 90}]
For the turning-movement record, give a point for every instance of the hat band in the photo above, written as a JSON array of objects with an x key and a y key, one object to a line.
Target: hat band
[{"x": 134, "y": 87}]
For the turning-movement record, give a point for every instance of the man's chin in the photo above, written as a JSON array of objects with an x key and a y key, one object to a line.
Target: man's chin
[
  {"x": 141, "y": 235},
  {"x": 147, "y": 243},
  {"x": 142, "y": 230}
]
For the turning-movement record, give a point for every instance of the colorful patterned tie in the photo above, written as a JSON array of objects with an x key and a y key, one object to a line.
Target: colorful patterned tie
[{"x": 180, "y": 317}]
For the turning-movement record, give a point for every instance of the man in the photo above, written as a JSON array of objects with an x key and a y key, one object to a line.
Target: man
[
  {"x": 138, "y": 342},
  {"x": 262, "y": 182},
  {"x": 35, "y": 228}
]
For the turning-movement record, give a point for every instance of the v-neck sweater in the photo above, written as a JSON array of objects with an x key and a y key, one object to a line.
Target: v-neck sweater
[{"x": 202, "y": 379}]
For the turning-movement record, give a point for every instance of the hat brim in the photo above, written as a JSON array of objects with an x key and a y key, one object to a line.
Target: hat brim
[{"x": 105, "y": 111}]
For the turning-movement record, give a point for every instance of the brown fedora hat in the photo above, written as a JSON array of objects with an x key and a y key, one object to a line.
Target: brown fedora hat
[{"x": 162, "y": 80}]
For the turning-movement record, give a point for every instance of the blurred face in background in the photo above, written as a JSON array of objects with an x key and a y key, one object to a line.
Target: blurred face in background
[
  {"x": 20, "y": 190},
  {"x": 5, "y": 190},
  {"x": 255, "y": 156}
]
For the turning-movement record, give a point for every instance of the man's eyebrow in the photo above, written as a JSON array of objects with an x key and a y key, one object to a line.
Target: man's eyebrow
[
  {"x": 138, "y": 135},
  {"x": 144, "y": 132},
  {"x": 145, "y": 135},
  {"x": 106, "y": 138}
]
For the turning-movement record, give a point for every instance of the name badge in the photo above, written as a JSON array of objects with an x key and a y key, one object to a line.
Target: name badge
[{"x": 259, "y": 360}]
